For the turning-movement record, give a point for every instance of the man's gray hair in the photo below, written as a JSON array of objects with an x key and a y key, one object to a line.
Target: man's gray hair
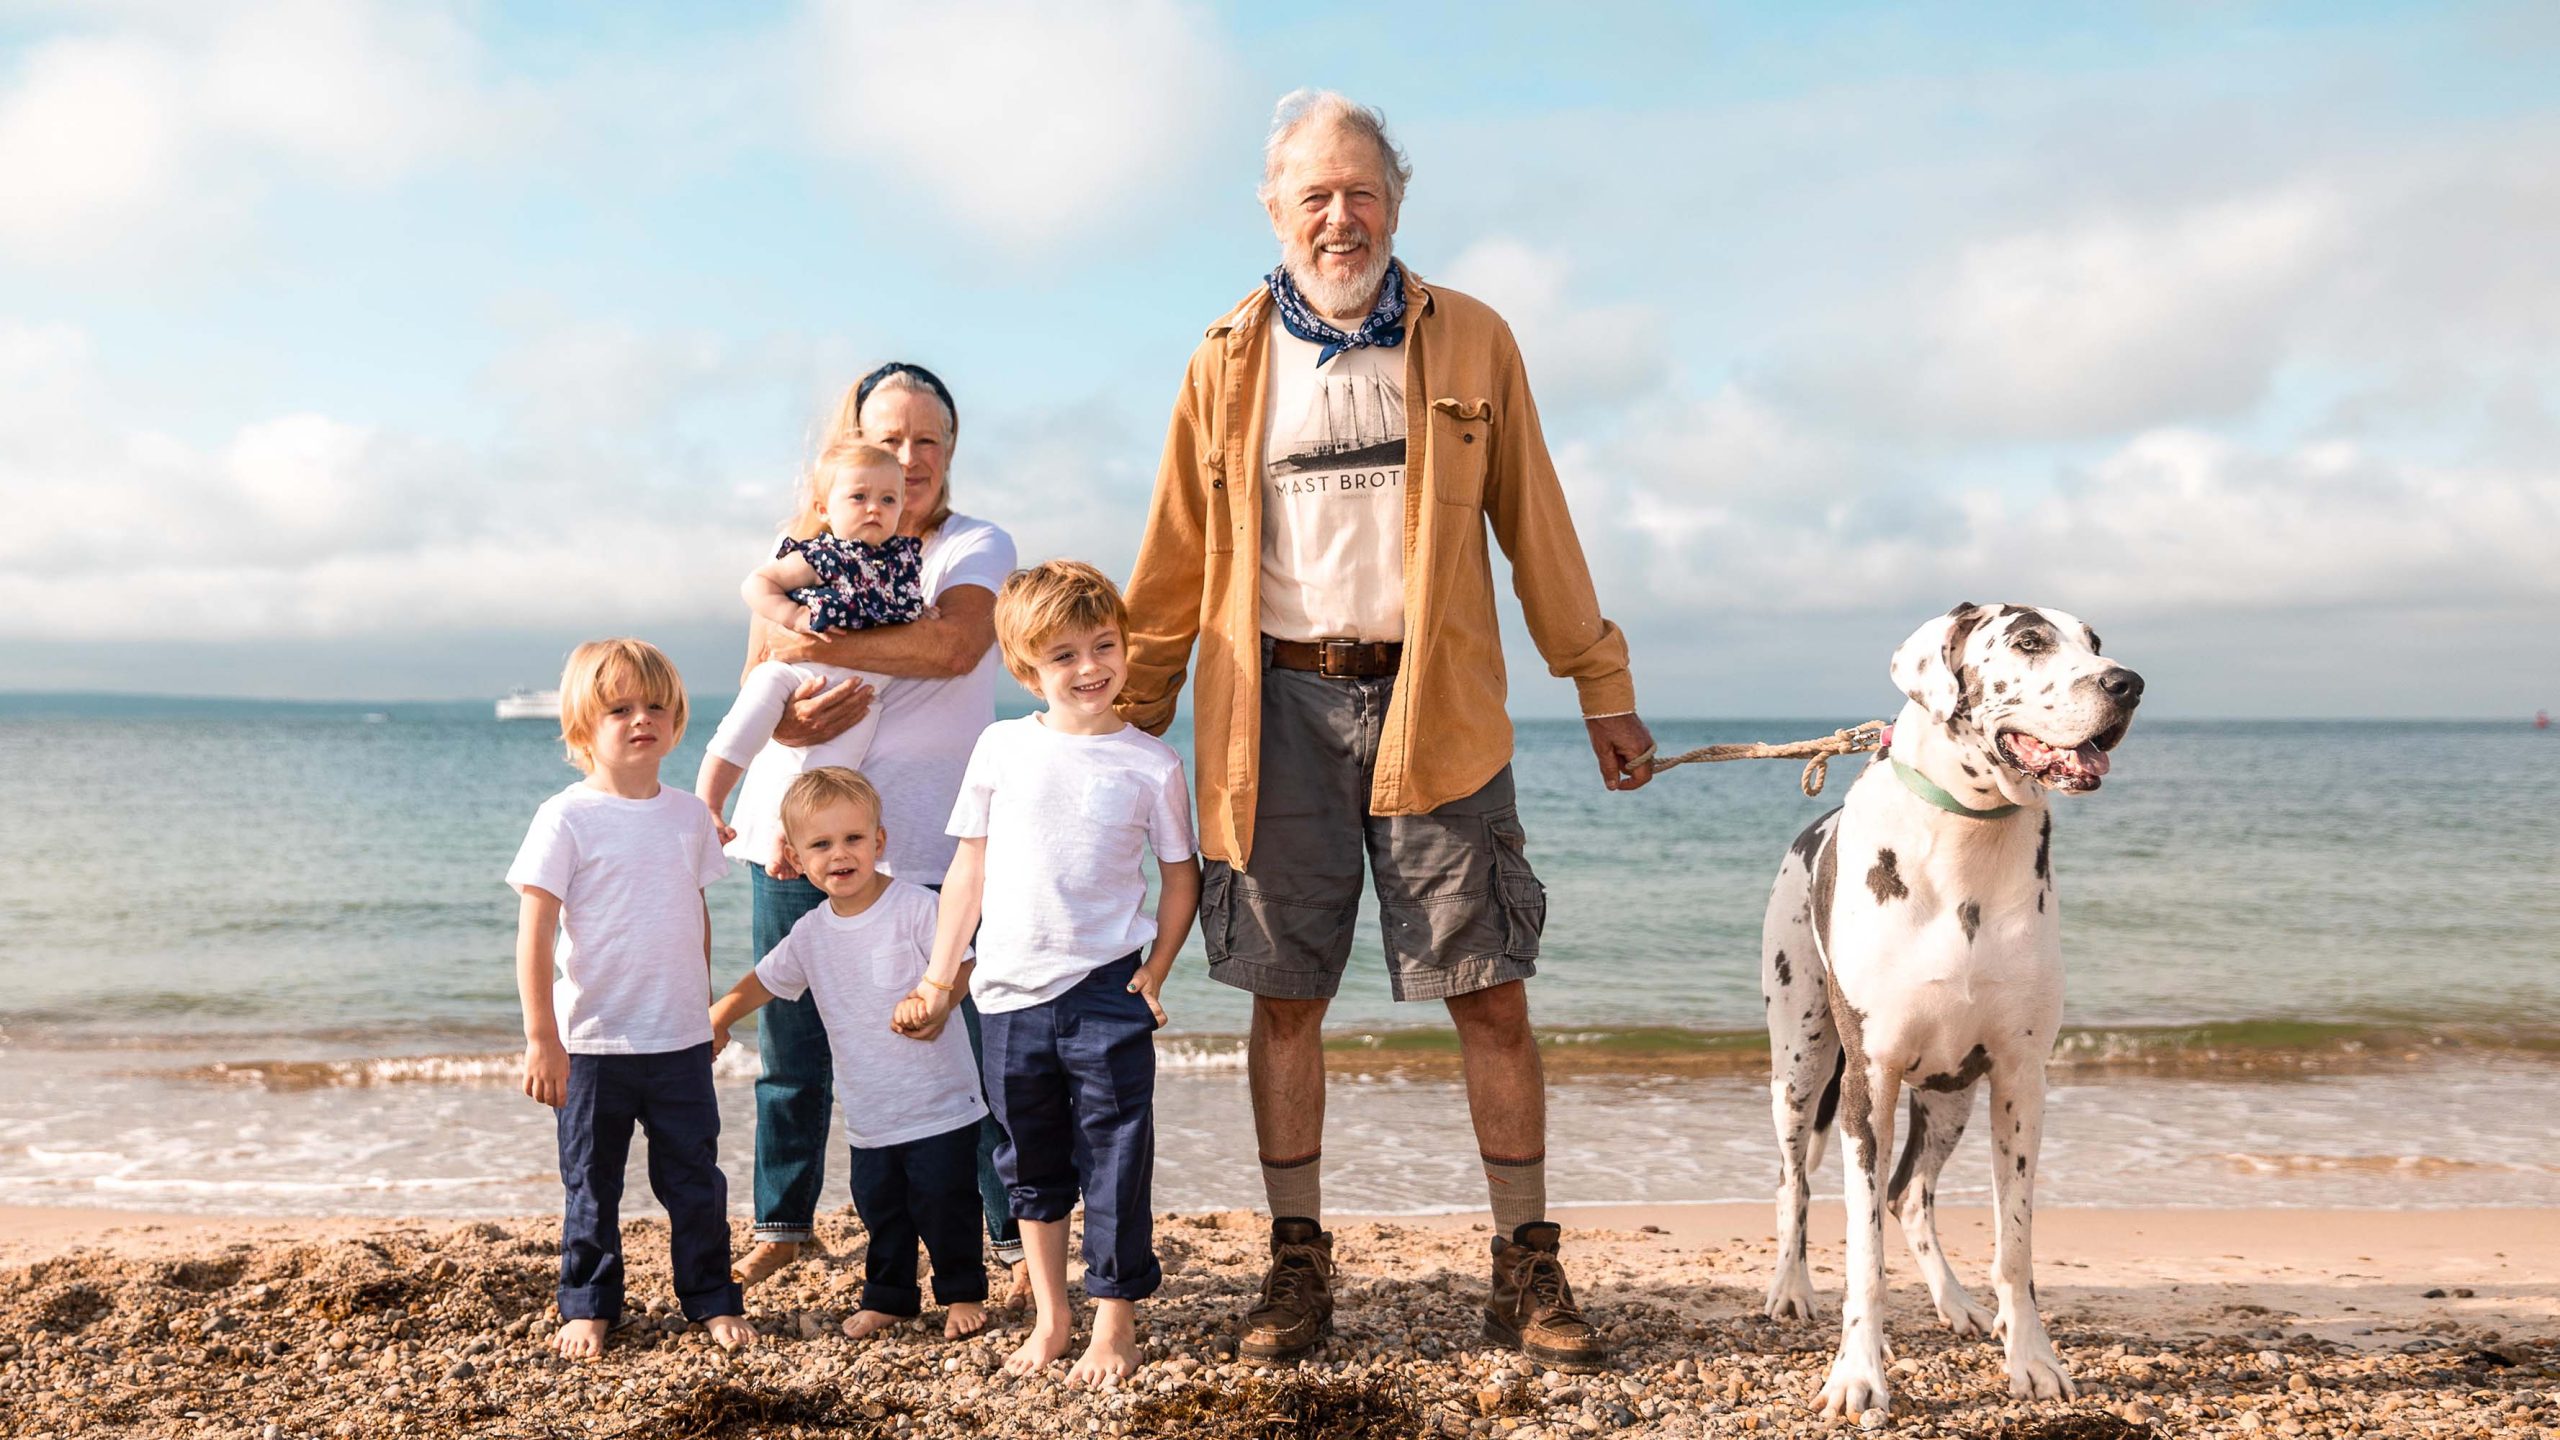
[{"x": 1300, "y": 108}]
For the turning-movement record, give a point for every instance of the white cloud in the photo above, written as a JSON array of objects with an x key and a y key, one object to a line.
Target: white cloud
[
  {"x": 1031, "y": 122},
  {"x": 142, "y": 134},
  {"x": 1578, "y": 353}
]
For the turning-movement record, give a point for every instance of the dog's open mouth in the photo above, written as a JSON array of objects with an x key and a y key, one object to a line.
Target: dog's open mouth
[{"x": 2078, "y": 768}]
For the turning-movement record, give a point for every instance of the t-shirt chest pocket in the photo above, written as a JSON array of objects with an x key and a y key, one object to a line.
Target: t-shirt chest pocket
[{"x": 1115, "y": 798}]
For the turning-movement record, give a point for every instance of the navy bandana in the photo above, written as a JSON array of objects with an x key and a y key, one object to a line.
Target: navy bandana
[{"x": 1384, "y": 328}]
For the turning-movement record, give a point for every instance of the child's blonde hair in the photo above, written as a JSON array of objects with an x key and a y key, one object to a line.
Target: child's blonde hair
[
  {"x": 1047, "y": 600},
  {"x": 814, "y": 789},
  {"x": 846, "y": 453},
  {"x": 601, "y": 669}
]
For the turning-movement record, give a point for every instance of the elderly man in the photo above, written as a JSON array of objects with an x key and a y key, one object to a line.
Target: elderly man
[{"x": 1341, "y": 441}]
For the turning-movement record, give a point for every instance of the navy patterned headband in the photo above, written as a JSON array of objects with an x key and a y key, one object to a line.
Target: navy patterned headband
[{"x": 862, "y": 390}]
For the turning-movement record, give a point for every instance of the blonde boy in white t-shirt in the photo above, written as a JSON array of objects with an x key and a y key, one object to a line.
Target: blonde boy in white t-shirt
[
  {"x": 911, "y": 1104},
  {"x": 618, "y": 863},
  {"x": 1054, "y": 818}
]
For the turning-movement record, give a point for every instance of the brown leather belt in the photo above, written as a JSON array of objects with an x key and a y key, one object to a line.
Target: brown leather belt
[{"x": 1339, "y": 659}]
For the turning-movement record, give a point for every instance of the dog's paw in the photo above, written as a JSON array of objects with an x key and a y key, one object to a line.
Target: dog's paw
[
  {"x": 1962, "y": 1315},
  {"x": 2036, "y": 1373},
  {"x": 1856, "y": 1386},
  {"x": 1791, "y": 1296}
]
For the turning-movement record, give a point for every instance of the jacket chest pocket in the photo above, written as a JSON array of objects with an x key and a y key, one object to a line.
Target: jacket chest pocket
[{"x": 1460, "y": 445}]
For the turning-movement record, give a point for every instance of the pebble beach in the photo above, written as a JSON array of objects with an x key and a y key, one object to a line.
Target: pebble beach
[{"x": 2175, "y": 1323}]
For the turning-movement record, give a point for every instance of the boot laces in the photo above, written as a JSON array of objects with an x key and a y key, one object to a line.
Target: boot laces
[
  {"x": 1542, "y": 1277},
  {"x": 1292, "y": 1279}
]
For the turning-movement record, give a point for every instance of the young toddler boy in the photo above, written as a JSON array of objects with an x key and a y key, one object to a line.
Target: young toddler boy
[
  {"x": 911, "y": 1105},
  {"x": 617, "y": 863},
  {"x": 1054, "y": 815}
]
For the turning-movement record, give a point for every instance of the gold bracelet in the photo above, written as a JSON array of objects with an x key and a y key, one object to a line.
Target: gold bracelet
[{"x": 936, "y": 984}]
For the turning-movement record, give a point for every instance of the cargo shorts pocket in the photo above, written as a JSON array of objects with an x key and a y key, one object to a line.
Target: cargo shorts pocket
[
  {"x": 1217, "y": 908},
  {"x": 1523, "y": 897}
]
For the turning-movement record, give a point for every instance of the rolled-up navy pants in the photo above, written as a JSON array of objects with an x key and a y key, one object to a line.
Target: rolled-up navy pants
[
  {"x": 1074, "y": 1080},
  {"x": 669, "y": 1097}
]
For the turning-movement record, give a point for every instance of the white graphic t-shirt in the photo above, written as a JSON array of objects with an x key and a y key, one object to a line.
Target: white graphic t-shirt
[{"x": 1333, "y": 493}]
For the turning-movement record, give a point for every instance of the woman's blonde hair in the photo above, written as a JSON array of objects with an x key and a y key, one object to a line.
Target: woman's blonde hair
[
  {"x": 601, "y": 669},
  {"x": 1048, "y": 600},
  {"x": 903, "y": 380},
  {"x": 843, "y": 453}
]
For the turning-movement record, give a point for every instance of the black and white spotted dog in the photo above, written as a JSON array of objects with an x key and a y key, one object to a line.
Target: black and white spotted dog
[{"x": 1912, "y": 947}]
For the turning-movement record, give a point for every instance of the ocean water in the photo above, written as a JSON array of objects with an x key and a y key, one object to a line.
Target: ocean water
[{"x": 257, "y": 957}]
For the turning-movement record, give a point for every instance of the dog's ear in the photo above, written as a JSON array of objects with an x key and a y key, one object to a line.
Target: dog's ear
[{"x": 1929, "y": 667}]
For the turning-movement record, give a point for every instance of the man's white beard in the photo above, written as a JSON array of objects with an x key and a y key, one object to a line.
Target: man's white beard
[{"x": 1355, "y": 296}]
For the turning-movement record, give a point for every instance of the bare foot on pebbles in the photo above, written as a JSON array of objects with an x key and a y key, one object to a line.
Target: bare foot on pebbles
[
  {"x": 581, "y": 1339},
  {"x": 863, "y": 1324},
  {"x": 1113, "y": 1352},
  {"x": 763, "y": 1260},
  {"x": 964, "y": 1320},
  {"x": 1017, "y": 1290},
  {"x": 731, "y": 1332},
  {"x": 1048, "y": 1341}
]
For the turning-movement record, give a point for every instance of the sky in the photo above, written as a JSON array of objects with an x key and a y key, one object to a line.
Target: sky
[{"x": 359, "y": 349}]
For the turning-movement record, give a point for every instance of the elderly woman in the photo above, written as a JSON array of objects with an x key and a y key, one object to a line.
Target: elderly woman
[{"x": 944, "y": 693}]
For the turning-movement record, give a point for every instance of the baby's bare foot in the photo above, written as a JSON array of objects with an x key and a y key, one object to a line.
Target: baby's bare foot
[
  {"x": 863, "y": 1324},
  {"x": 1048, "y": 1341},
  {"x": 731, "y": 1332},
  {"x": 1017, "y": 1291},
  {"x": 763, "y": 1260},
  {"x": 965, "y": 1319},
  {"x": 581, "y": 1339}
]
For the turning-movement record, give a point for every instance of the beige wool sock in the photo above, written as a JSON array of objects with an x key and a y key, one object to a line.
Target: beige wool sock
[
  {"x": 1518, "y": 1189},
  {"x": 1295, "y": 1188}
]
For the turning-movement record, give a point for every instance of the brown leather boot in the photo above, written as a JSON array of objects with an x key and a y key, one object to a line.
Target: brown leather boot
[
  {"x": 1532, "y": 1307},
  {"x": 1296, "y": 1309}
]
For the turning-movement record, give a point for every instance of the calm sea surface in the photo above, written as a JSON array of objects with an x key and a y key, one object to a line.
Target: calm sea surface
[{"x": 258, "y": 957}]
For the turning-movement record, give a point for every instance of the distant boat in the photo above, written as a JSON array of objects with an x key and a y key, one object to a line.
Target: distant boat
[{"x": 523, "y": 704}]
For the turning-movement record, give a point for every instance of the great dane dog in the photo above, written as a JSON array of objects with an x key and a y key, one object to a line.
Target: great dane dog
[{"x": 1912, "y": 945}]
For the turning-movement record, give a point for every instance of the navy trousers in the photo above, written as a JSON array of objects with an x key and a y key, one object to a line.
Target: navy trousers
[
  {"x": 669, "y": 1097},
  {"x": 920, "y": 1190},
  {"x": 796, "y": 1082},
  {"x": 1074, "y": 1083}
]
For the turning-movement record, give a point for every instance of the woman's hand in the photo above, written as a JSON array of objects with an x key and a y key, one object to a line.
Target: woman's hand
[{"x": 546, "y": 1072}]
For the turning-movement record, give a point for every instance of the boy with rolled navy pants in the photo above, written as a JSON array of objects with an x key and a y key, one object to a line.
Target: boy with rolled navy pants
[
  {"x": 911, "y": 1104},
  {"x": 1054, "y": 818},
  {"x": 617, "y": 863}
]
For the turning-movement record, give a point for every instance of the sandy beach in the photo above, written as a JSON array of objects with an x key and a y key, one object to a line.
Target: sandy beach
[{"x": 2290, "y": 1322}]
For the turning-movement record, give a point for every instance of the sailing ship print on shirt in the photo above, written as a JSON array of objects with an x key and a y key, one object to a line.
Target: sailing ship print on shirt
[{"x": 1353, "y": 422}]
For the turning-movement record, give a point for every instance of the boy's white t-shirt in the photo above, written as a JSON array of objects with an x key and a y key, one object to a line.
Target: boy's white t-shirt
[
  {"x": 629, "y": 875},
  {"x": 1067, "y": 819},
  {"x": 927, "y": 727},
  {"x": 858, "y": 967}
]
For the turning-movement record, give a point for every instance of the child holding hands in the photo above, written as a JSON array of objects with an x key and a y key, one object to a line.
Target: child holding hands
[
  {"x": 618, "y": 863},
  {"x": 1054, "y": 816},
  {"x": 844, "y": 566},
  {"x": 911, "y": 1109}
]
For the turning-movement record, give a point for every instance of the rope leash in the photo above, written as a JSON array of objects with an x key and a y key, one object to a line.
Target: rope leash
[{"x": 1815, "y": 753}]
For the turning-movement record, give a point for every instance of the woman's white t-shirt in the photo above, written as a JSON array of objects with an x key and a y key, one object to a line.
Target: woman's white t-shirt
[
  {"x": 929, "y": 727},
  {"x": 1067, "y": 820},
  {"x": 629, "y": 876},
  {"x": 858, "y": 967}
]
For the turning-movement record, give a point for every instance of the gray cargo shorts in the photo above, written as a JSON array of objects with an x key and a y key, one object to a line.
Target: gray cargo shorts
[{"x": 1460, "y": 907}]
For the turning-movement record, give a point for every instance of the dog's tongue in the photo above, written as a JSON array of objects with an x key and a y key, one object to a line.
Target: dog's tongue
[{"x": 2090, "y": 758}]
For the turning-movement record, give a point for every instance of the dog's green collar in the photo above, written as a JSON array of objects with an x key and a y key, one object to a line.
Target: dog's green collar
[{"x": 1936, "y": 794}]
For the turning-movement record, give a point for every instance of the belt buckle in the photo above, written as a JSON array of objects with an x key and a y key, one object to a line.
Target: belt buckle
[{"x": 1336, "y": 659}]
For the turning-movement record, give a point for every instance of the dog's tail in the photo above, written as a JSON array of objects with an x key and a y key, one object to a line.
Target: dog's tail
[{"x": 1830, "y": 1105}]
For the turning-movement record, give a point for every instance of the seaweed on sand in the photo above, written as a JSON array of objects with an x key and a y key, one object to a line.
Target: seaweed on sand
[{"x": 1294, "y": 1407}]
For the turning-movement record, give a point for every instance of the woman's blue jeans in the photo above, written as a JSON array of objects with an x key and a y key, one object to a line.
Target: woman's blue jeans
[{"x": 797, "y": 1084}]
